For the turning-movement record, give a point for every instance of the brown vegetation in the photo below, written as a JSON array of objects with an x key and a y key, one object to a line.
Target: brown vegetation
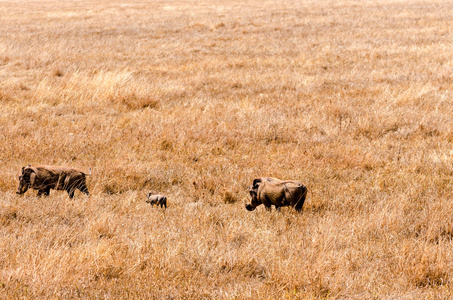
[{"x": 194, "y": 99}]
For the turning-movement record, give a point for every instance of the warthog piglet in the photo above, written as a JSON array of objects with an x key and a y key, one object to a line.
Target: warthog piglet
[{"x": 157, "y": 199}]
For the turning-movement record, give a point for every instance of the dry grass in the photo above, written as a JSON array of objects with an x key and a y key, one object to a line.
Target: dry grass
[{"x": 194, "y": 99}]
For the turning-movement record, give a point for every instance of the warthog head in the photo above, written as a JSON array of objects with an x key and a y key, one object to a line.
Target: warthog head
[
  {"x": 149, "y": 199},
  {"x": 24, "y": 182},
  {"x": 253, "y": 191}
]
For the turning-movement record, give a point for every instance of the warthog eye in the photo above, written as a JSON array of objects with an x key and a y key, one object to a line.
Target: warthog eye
[{"x": 23, "y": 179}]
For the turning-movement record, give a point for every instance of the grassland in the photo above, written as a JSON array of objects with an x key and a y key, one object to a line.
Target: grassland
[{"x": 195, "y": 99}]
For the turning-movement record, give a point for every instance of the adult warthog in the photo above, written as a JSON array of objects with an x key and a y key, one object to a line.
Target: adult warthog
[
  {"x": 272, "y": 191},
  {"x": 45, "y": 178}
]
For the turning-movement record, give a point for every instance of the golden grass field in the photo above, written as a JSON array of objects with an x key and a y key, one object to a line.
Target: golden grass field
[{"x": 195, "y": 99}]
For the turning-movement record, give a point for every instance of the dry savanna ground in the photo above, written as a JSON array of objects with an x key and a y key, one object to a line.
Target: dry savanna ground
[{"x": 195, "y": 99}]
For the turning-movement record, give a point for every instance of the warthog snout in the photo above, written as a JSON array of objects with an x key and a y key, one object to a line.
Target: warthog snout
[
  {"x": 249, "y": 207},
  {"x": 23, "y": 186}
]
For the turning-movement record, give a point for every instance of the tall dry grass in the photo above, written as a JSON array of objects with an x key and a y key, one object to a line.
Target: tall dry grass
[{"x": 195, "y": 99}]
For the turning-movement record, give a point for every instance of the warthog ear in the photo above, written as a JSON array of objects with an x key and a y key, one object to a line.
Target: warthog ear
[{"x": 256, "y": 182}]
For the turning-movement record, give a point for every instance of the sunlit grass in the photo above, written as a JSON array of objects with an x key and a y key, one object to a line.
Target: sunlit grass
[{"x": 196, "y": 99}]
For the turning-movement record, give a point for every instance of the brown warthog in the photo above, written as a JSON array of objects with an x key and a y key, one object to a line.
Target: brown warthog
[
  {"x": 157, "y": 199},
  {"x": 272, "y": 191},
  {"x": 45, "y": 178}
]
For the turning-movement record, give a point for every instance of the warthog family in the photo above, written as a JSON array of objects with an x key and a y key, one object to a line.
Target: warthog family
[
  {"x": 45, "y": 178},
  {"x": 157, "y": 199},
  {"x": 264, "y": 190},
  {"x": 272, "y": 191}
]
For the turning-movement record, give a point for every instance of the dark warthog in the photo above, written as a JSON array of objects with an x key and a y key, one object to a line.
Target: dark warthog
[
  {"x": 45, "y": 178},
  {"x": 157, "y": 199},
  {"x": 271, "y": 191}
]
